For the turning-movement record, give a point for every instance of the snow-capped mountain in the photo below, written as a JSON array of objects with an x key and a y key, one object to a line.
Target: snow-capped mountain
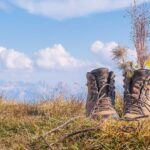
[{"x": 33, "y": 92}]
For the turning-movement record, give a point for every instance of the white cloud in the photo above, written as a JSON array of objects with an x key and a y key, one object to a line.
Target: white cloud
[
  {"x": 104, "y": 52},
  {"x": 52, "y": 58},
  {"x": 12, "y": 59},
  {"x": 57, "y": 58},
  {"x": 60, "y": 9},
  {"x": 97, "y": 46}
]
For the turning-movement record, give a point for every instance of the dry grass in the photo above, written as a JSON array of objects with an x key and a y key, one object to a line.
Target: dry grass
[{"x": 22, "y": 124}]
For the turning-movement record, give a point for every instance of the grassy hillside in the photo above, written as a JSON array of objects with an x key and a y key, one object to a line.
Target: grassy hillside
[{"x": 22, "y": 127}]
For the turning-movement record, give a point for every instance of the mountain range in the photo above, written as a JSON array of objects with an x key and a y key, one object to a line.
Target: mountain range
[{"x": 36, "y": 91}]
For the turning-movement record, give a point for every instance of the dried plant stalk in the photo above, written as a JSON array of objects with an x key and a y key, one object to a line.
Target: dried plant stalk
[{"x": 140, "y": 31}]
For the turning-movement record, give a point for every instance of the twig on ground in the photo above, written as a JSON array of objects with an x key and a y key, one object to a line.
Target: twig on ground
[
  {"x": 55, "y": 129},
  {"x": 50, "y": 147},
  {"x": 61, "y": 126},
  {"x": 73, "y": 134}
]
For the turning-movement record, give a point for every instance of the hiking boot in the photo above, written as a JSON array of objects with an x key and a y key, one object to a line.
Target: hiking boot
[
  {"x": 101, "y": 94},
  {"x": 137, "y": 102}
]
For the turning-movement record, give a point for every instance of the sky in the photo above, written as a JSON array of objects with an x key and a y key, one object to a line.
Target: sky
[{"x": 61, "y": 40}]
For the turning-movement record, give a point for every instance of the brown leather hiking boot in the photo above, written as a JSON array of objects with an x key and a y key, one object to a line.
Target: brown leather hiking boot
[
  {"x": 101, "y": 94},
  {"x": 137, "y": 101}
]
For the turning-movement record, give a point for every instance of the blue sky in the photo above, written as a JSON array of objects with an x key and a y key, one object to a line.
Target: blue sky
[
  {"x": 60, "y": 40},
  {"x": 28, "y": 33}
]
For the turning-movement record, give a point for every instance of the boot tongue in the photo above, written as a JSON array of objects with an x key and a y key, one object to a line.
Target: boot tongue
[{"x": 101, "y": 77}]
